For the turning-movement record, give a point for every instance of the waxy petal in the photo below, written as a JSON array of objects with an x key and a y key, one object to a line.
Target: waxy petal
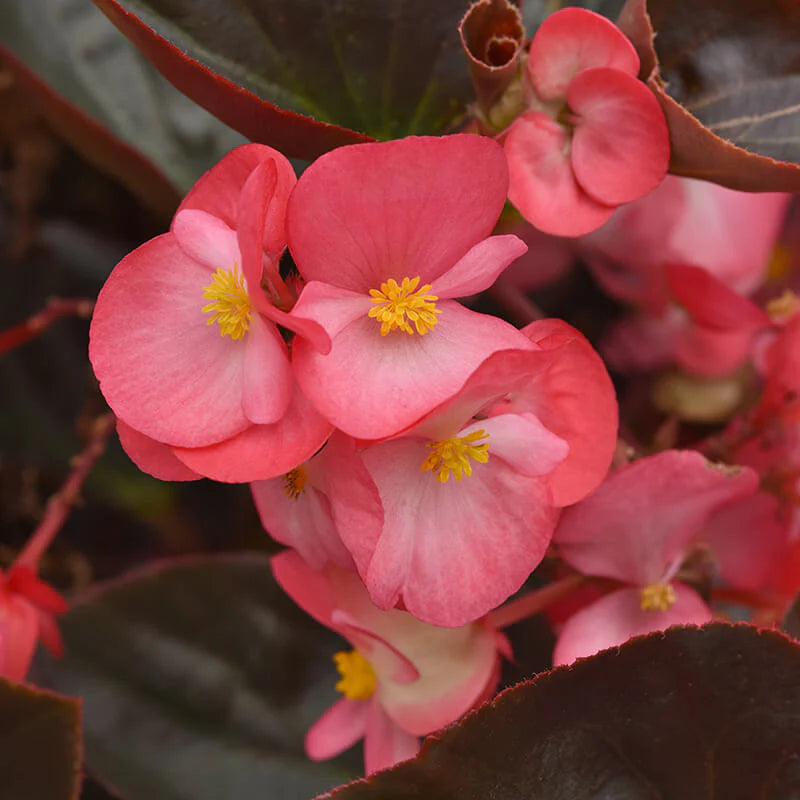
[
  {"x": 418, "y": 205},
  {"x": 340, "y": 727},
  {"x": 620, "y": 147},
  {"x": 542, "y": 183},
  {"x": 570, "y": 41},
  {"x": 618, "y": 616},
  {"x": 154, "y": 458},
  {"x": 385, "y": 743},
  {"x": 267, "y": 380},
  {"x": 330, "y": 307},
  {"x": 19, "y": 627},
  {"x": 207, "y": 240}
]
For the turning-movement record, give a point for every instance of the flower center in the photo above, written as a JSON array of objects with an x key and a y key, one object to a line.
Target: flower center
[
  {"x": 358, "y": 678},
  {"x": 453, "y": 455},
  {"x": 230, "y": 305},
  {"x": 294, "y": 482},
  {"x": 393, "y": 303},
  {"x": 657, "y": 597}
]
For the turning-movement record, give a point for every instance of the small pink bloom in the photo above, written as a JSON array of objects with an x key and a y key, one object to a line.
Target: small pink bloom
[
  {"x": 386, "y": 234},
  {"x": 636, "y": 529},
  {"x": 404, "y": 679},
  {"x": 594, "y": 136}
]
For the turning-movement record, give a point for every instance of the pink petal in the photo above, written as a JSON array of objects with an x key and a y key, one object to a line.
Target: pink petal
[
  {"x": 434, "y": 551},
  {"x": 207, "y": 240},
  {"x": 418, "y": 205},
  {"x": 570, "y": 41},
  {"x": 372, "y": 386},
  {"x": 268, "y": 382},
  {"x": 618, "y": 616},
  {"x": 19, "y": 626},
  {"x": 154, "y": 458},
  {"x": 309, "y": 588},
  {"x": 711, "y": 353},
  {"x": 340, "y": 727},
  {"x": 385, "y": 743},
  {"x": 307, "y": 328},
  {"x": 162, "y": 368},
  {"x": 643, "y": 342},
  {"x": 330, "y": 307},
  {"x": 218, "y": 191},
  {"x": 479, "y": 268},
  {"x": 637, "y": 525},
  {"x": 542, "y": 184},
  {"x": 620, "y": 148},
  {"x": 262, "y": 451}
]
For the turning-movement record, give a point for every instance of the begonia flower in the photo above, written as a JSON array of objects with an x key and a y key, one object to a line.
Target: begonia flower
[
  {"x": 593, "y": 137},
  {"x": 383, "y": 254},
  {"x": 637, "y": 528},
  {"x": 184, "y": 338},
  {"x": 403, "y": 679},
  {"x": 470, "y": 493}
]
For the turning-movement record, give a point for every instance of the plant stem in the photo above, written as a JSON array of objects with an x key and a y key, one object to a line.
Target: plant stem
[
  {"x": 519, "y": 307},
  {"x": 55, "y": 309},
  {"x": 536, "y": 601}
]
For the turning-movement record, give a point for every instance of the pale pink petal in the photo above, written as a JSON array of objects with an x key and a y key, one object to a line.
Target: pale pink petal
[
  {"x": 308, "y": 328},
  {"x": 711, "y": 353},
  {"x": 19, "y": 626},
  {"x": 479, "y": 268},
  {"x": 385, "y": 743},
  {"x": 308, "y": 587},
  {"x": 251, "y": 218},
  {"x": 161, "y": 366},
  {"x": 373, "y": 386},
  {"x": 340, "y": 727},
  {"x": 618, "y": 616},
  {"x": 572, "y": 40},
  {"x": 434, "y": 551},
  {"x": 522, "y": 442},
  {"x": 620, "y": 147},
  {"x": 218, "y": 192},
  {"x": 268, "y": 382},
  {"x": 542, "y": 184},
  {"x": 637, "y": 525},
  {"x": 328, "y": 306},
  {"x": 206, "y": 239},
  {"x": 416, "y": 207},
  {"x": 262, "y": 451},
  {"x": 154, "y": 458}
]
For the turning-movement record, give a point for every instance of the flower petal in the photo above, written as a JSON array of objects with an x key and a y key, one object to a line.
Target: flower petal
[
  {"x": 268, "y": 382},
  {"x": 385, "y": 743},
  {"x": 340, "y": 727},
  {"x": 620, "y": 147},
  {"x": 154, "y": 458},
  {"x": 542, "y": 184},
  {"x": 206, "y": 239}
]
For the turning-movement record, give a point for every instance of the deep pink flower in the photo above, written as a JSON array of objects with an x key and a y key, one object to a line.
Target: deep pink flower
[
  {"x": 470, "y": 494},
  {"x": 594, "y": 136},
  {"x": 637, "y": 529},
  {"x": 385, "y": 234},
  {"x": 404, "y": 679}
]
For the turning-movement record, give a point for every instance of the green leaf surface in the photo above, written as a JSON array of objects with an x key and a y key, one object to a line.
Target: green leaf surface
[
  {"x": 199, "y": 680},
  {"x": 690, "y": 714},
  {"x": 384, "y": 68},
  {"x": 41, "y": 744},
  {"x": 71, "y": 47}
]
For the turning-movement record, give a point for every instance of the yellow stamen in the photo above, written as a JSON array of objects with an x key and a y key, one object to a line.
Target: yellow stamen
[
  {"x": 358, "y": 678},
  {"x": 657, "y": 597},
  {"x": 396, "y": 302},
  {"x": 783, "y": 307},
  {"x": 294, "y": 482},
  {"x": 231, "y": 305},
  {"x": 453, "y": 455}
]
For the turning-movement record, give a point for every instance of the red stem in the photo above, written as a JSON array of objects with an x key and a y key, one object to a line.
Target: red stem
[
  {"x": 536, "y": 601},
  {"x": 519, "y": 307},
  {"x": 55, "y": 309},
  {"x": 61, "y": 503}
]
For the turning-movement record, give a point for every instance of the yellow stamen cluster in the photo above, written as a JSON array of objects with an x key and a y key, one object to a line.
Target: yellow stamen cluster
[
  {"x": 394, "y": 302},
  {"x": 451, "y": 456},
  {"x": 783, "y": 307},
  {"x": 230, "y": 304},
  {"x": 657, "y": 597},
  {"x": 294, "y": 482},
  {"x": 358, "y": 678}
]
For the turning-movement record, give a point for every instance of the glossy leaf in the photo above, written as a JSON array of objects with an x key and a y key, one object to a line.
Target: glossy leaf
[
  {"x": 108, "y": 101},
  {"x": 199, "y": 679},
  {"x": 309, "y": 76},
  {"x": 692, "y": 713},
  {"x": 41, "y": 752},
  {"x": 728, "y": 78}
]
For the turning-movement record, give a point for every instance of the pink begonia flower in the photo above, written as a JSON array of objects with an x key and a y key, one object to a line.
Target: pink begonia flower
[
  {"x": 383, "y": 252},
  {"x": 470, "y": 494},
  {"x": 27, "y": 613},
  {"x": 593, "y": 137},
  {"x": 403, "y": 680},
  {"x": 730, "y": 234},
  {"x": 637, "y": 529},
  {"x": 184, "y": 338}
]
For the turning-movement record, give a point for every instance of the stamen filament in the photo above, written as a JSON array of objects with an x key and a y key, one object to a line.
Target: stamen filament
[
  {"x": 394, "y": 302},
  {"x": 452, "y": 456}
]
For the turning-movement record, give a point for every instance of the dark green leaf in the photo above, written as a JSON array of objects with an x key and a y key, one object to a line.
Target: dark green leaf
[
  {"x": 690, "y": 714},
  {"x": 199, "y": 680},
  {"x": 41, "y": 744}
]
